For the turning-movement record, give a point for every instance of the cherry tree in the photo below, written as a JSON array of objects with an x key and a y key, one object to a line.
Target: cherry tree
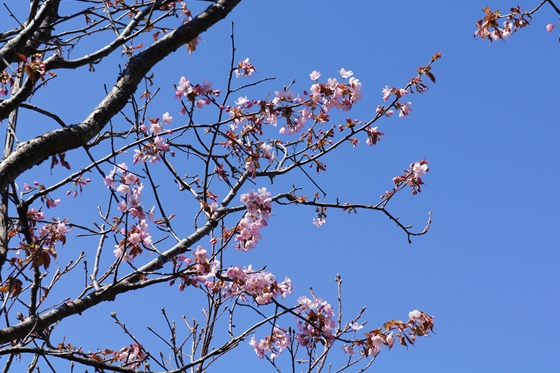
[{"x": 219, "y": 148}]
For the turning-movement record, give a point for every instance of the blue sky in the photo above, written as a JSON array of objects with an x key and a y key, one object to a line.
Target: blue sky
[{"x": 488, "y": 268}]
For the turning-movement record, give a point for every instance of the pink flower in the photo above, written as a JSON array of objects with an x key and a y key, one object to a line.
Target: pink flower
[
  {"x": 549, "y": 27},
  {"x": 243, "y": 101},
  {"x": 415, "y": 316},
  {"x": 348, "y": 350},
  {"x": 376, "y": 343},
  {"x": 345, "y": 74},
  {"x": 386, "y": 93},
  {"x": 319, "y": 222},
  {"x": 420, "y": 168},
  {"x": 156, "y": 128},
  {"x": 245, "y": 68},
  {"x": 390, "y": 340},
  {"x": 167, "y": 119},
  {"x": 356, "y": 326},
  {"x": 61, "y": 228},
  {"x": 52, "y": 202},
  {"x": 405, "y": 109},
  {"x": 315, "y": 75}
]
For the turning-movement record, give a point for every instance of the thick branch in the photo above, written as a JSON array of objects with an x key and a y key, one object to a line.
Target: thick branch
[
  {"x": 35, "y": 151},
  {"x": 37, "y": 32},
  {"x": 107, "y": 293}
]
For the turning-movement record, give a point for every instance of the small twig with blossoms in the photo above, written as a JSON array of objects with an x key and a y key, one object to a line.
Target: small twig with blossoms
[{"x": 489, "y": 27}]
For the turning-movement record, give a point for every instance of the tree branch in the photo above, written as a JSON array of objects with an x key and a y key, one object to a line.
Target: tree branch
[{"x": 37, "y": 150}]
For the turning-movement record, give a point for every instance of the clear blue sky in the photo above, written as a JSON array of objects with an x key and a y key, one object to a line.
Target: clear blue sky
[{"x": 489, "y": 267}]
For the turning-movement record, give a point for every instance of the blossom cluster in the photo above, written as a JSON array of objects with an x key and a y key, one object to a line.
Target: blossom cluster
[
  {"x": 489, "y": 27},
  {"x": 252, "y": 161},
  {"x": 315, "y": 322},
  {"x": 200, "y": 269},
  {"x": 334, "y": 94},
  {"x": 198, "y": 94},
  {"x": 130, "y": 188},
  {"x": 419, "y": 324},
  {"x": 131, "y": 356},
  {"x": 42, "y": 249},
  {"x": 153, "y": 150},
  {"x": 6, "y": 83},
  {"x": 235, "y": 282},
  {"x": 274, "y": 343},
  {"x": 412, "y": 177},
  {"x": 302, "y": 114},
  {"x": 261, "y": 286},
  {"x": 45, "y": 198},
  {"x": 323, "y": 96},
  {"x": 258, "y": 211},
  {"x": 244, "y": 68}
]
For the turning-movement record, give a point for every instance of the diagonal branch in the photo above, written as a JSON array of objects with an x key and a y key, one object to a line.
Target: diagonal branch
[{"x": 37, "y": 150}]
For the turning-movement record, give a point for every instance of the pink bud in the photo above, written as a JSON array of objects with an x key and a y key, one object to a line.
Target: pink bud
[{"x": 549, "y": 27}]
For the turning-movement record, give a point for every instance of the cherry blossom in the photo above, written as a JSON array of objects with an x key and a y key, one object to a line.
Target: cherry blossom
[
  {"x": 404, "y": 109},
  {"x": 273, "y": 343},
  {"x": 245, "y": 68},
  {"x": 386, "y": 93},
  {"x": 345, "y": 74},
  {"x": 259, "y": 209},
  {"x": 415, "y": 316},
  {"x": 315, "y": 75},
  {"x": 167, "y": 119},
  {"x": 319, "y": 222},
  {"x": 319, "y": 322},
  {"x": 132, "y": 355}
]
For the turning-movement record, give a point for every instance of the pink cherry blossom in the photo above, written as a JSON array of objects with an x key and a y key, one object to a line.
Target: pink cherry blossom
[
  {"x": 345, "y": 74},
  {"x": 61, "y": 228},
  {"x": 386, "y": 93},
  {"x": 550, "y": 27},
  {"x": 315, "y": 75},
  {"x": 245, "y": 68},
  {"x": 52, "y": 202},
  {"x": 167, "y": 119},
  {"x": 405, "y": 109},
  {"x": 348, "y": 349},
  {"x": 319, "y": 222},
  {"x": 420, "y": 169},
  {"x": 376, "y": 344},
  {"x": 274, "y": 343},
  {"x": 415, "y": 316},
  {"x": 319, "y": 322},
  {"x": 390, "y": 340}
]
